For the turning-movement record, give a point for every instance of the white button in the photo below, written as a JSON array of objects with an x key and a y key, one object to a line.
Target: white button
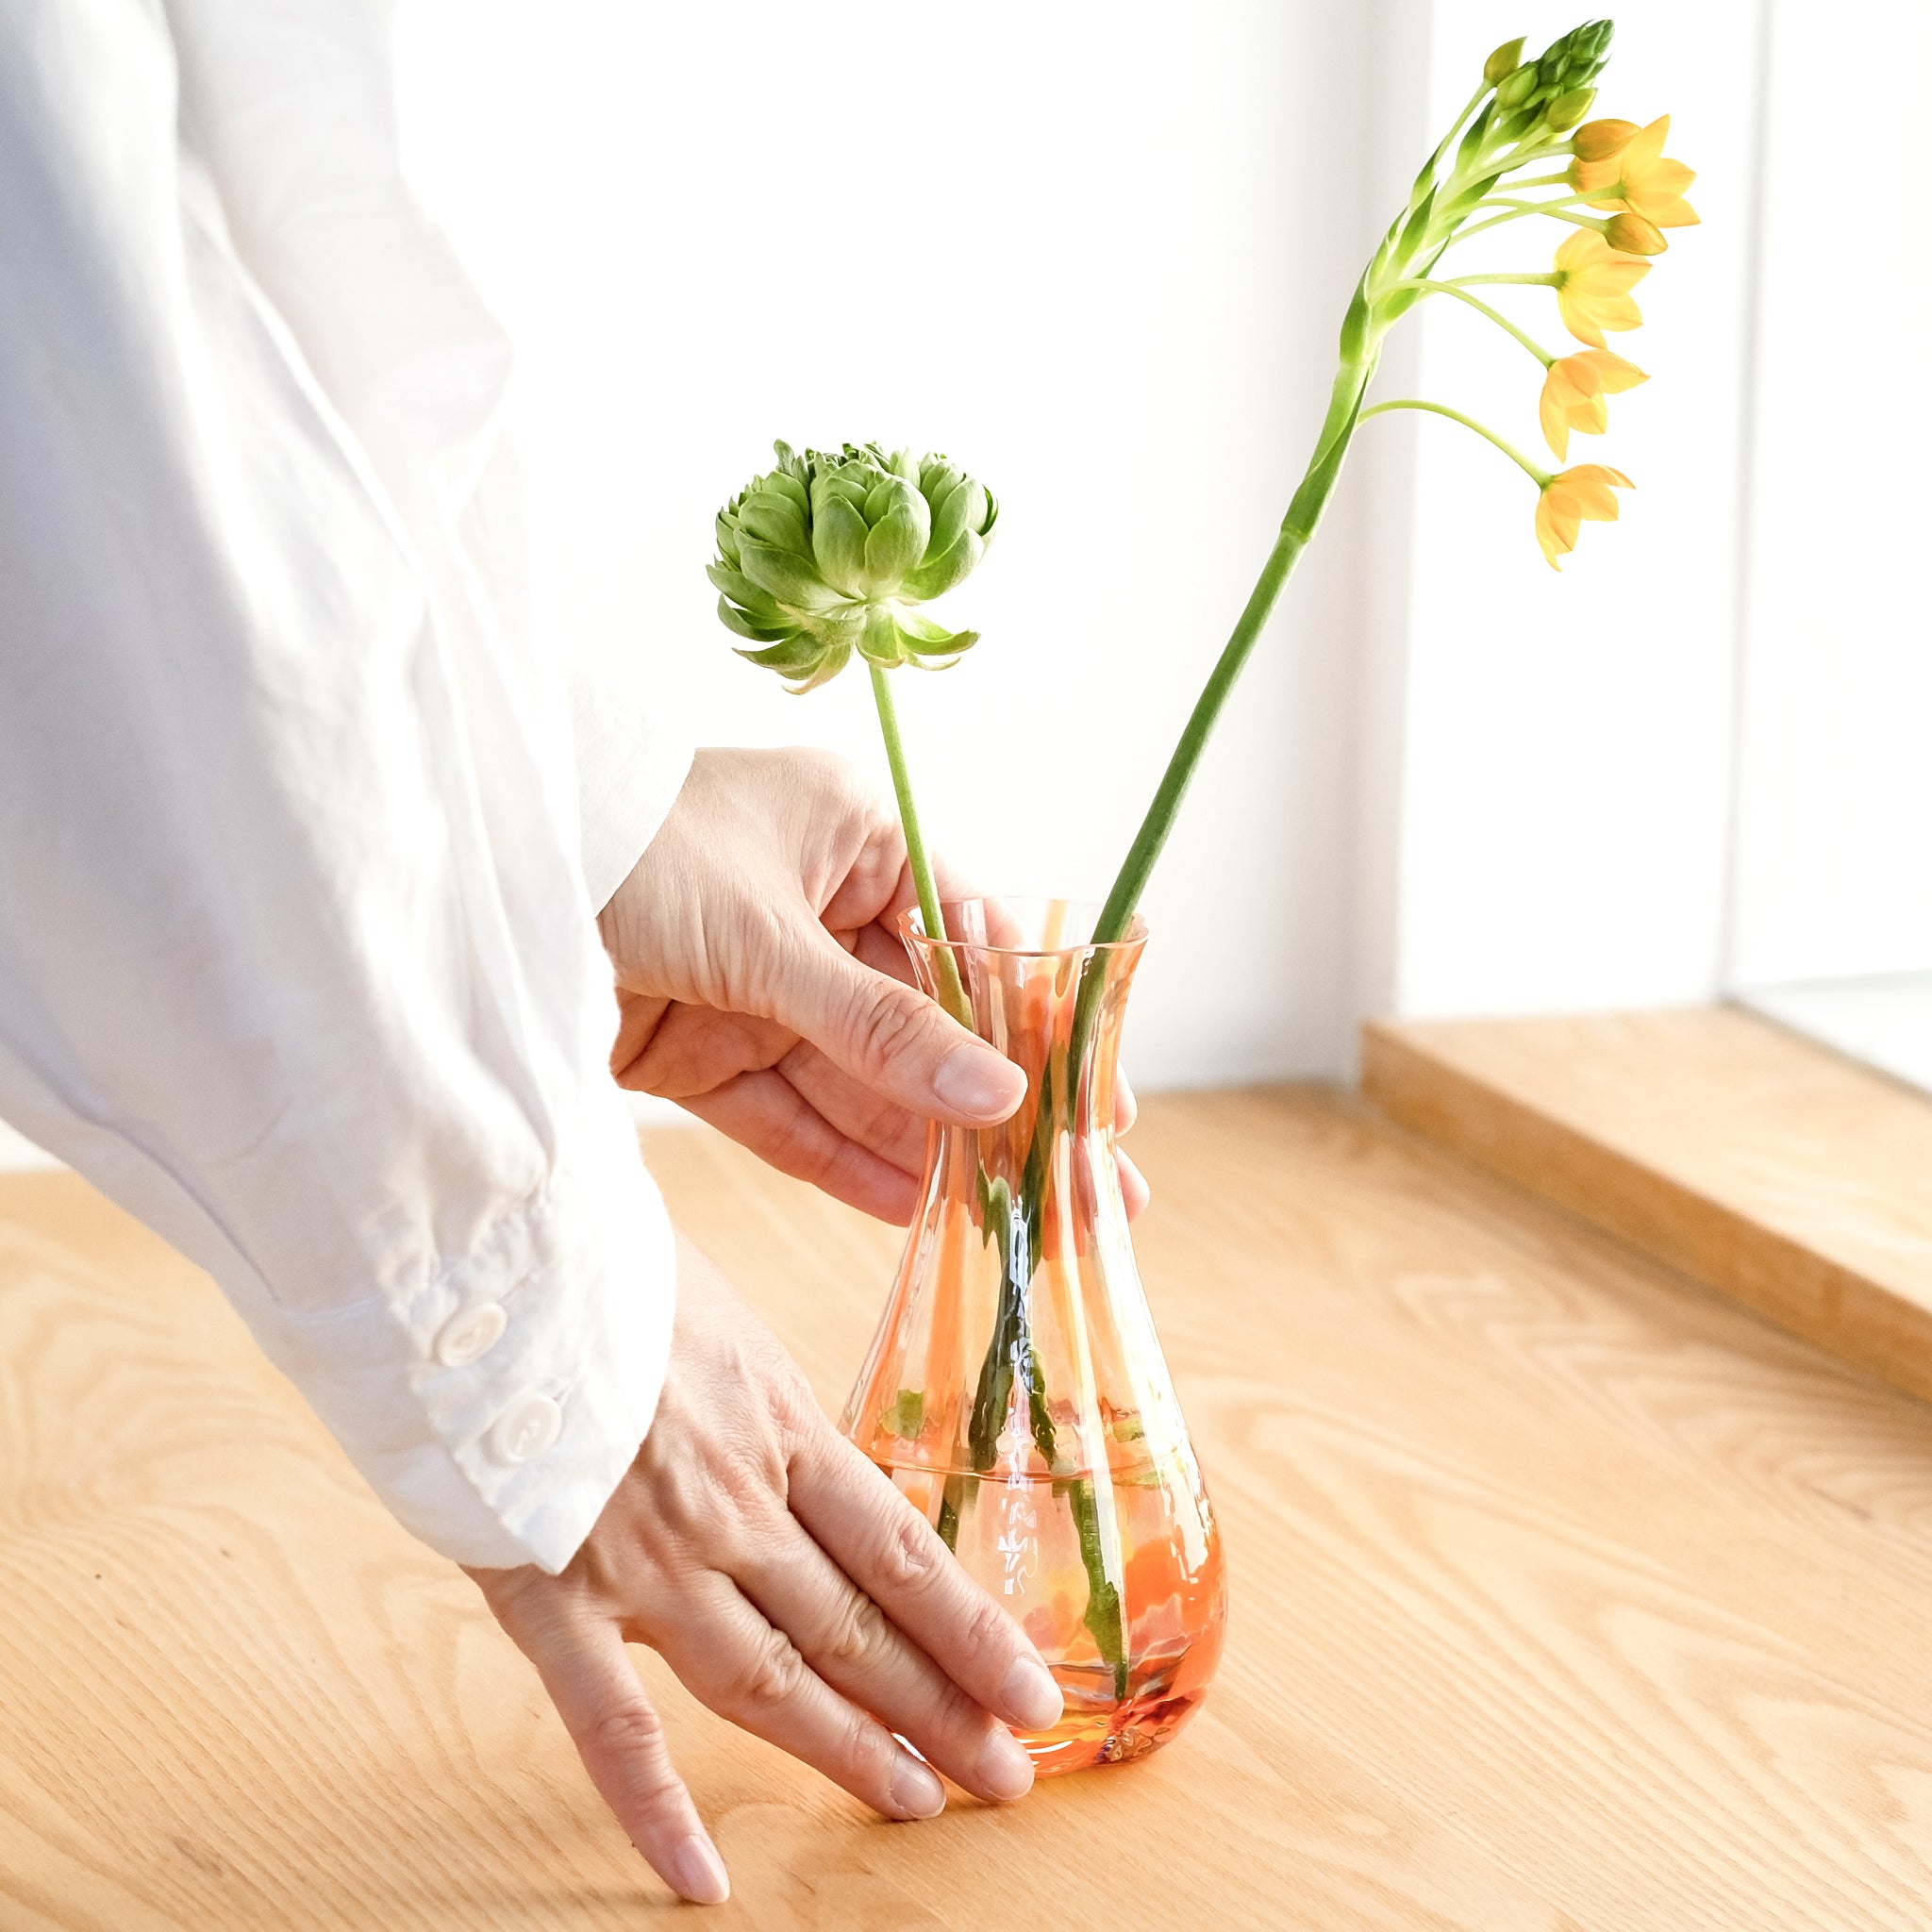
[
  {"x": 469, "y": 1337},
  {"x": 525, "y": 1428}
]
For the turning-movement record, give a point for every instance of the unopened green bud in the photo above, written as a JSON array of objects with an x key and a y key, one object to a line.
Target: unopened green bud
[
  {"x": 1504, "y": 60},
  {"x": 1517, "y": 86},
  {"x": 1566, "y": 111},
  {"x": 1577, "y": 58},
  {"x": 830, "y": 554}
]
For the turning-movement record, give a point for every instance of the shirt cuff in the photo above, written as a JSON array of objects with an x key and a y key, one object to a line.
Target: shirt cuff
[
  {"x": 631, "y": 768},
  {"x": 496, "y": 1408}
]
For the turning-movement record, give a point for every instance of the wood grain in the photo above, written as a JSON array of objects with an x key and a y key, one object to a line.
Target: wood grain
[
  {"x": 1567, "y": 1598},
  {"x": 1774, "y": 1169}
]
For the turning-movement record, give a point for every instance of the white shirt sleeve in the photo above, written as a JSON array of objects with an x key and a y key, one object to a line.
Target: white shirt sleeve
[{"x": 295, "y": 958}]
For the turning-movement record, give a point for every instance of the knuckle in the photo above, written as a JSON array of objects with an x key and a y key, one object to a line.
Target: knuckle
[
  {"x": 772, "y": 1675},
  {"x": 632, "y": 1730},
  {"x": 885, "y": 1026},
  {"x": 797, "y": 1417},
  {"x": 985, "y": 1633},
  {"x": 912, "y": 1558},
  {"x": 855, "y": 1634}
]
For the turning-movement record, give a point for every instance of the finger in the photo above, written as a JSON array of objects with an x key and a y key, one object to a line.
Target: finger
[
  {"x": 754, "y": 1674},
  {"x": 895, "y": 1556},
  {"x": 691, "y": 1049},
  {"x": 848, "y": 1640},
  {"x": 892, "y": 1132},
  {"x": 1126, "y": 1109},
  {"x": 1134, "y": 1192},
  {"x": 621, "y": 1741},
  {"x": 893, "y": 1038},
  {"x": 764, "y": 1112},
  {"x": 881, "y": 948}
]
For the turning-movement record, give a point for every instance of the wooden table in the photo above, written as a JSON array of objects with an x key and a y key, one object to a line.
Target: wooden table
[{"x": 1568, "y": 1598}]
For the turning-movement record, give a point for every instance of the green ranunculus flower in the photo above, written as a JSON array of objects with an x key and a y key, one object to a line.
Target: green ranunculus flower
[{"x": 831, "y": 554}]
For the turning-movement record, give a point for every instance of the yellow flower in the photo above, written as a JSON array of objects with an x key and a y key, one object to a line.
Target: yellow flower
[
  {"x": 1568, "y": 498},
  {"x": 1574, "y": 393},
  {"x": 1638, "y": 177},
  {"x": 1593, "y": 284}
]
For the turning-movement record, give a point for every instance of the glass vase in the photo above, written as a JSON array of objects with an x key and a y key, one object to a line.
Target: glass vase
[{"x": 1015, "y": 1391}]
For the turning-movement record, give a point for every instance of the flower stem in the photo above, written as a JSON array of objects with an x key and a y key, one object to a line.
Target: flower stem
[
  {"x": 1539, "y": 477},
  {"x": 1297, "y": 526},
  {"x": 1519, "y": 211},
  {"x": 1557, "y": 211},
  {"x": 1482, "y": 307},
  {"x": 951, "y": 995}
]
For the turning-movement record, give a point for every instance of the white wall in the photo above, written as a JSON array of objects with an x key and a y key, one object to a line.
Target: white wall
[
  {"x": 1566, "y": 778},
  {"x": 1836, "y": 800},
  {"x": 1097, "y": 251}
]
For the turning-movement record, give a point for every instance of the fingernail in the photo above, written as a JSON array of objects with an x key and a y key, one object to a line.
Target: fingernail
[
  {"x": 698, "y": 1871},
  {"x": 916, "y": 1792},
  {"x": 1005, "y": 1769},
  {"x": 1029, "y": 1696},
  {"x": 975, "y": 1081}
]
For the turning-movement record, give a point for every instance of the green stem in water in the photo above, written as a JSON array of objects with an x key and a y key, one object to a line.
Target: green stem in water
[
  {"x": 1538, "y": 476},
  {"x": 951, "y": 993}
]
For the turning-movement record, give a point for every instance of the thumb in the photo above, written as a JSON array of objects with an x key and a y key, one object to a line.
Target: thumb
[{"x": 893, "y": 1039}]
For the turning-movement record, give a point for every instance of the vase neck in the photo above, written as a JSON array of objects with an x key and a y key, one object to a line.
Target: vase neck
[{"x": 1057, "y": 1014}]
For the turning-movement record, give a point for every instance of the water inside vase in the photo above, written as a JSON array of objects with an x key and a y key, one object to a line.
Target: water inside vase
[{"x": 1015, "y": 1391}]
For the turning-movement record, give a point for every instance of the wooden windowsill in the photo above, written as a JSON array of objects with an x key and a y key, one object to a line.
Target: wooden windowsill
[{"x": 1770, "y": 1168}]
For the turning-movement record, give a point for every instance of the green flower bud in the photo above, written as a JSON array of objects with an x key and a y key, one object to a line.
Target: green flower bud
[
  {"x": 1503, "y": 60},
  {"x": 830, "y": 554},
  {"x": 1579, "y": 58},
  {"x": 1516, "y": 86},
  {"x": 1566, "y": 111}
]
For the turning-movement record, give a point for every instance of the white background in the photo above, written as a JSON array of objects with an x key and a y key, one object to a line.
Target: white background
[
  {"x": 1098, "y": 254},
  {"x": 1835, "y": 822}
]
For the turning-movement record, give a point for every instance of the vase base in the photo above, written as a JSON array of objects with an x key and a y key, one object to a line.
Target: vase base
[{"x": 1109, "y": 1734}]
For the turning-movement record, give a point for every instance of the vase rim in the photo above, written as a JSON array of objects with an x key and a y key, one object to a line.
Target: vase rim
[{"x": 911, "y": 928}]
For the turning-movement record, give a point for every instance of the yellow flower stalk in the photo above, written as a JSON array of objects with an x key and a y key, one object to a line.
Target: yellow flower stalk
[
  {"x": 1638, "y": 177},
  {"x": 1592, "y": 283},
  {"x": 1571, "y": 497},
  {"x": 1573, "y": 393}
]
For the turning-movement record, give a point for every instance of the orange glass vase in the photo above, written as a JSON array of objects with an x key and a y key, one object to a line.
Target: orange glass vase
[{"x": 1015, "y": 1391}]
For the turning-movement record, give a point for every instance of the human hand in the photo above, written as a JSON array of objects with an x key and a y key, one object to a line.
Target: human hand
[
  {"x": 762, "y": 983},
  {"x": 789, "y": 1586}
]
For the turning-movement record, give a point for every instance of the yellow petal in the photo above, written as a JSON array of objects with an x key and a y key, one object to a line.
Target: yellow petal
[
  {"x": 1613, "y": 374},
  {"x": 1578, "y": 319},
  {"x": 1617, "y": 313},
  {"x": 1556, "y": 529},
  {"x": 1596, "y": 177},
  {"x": 1646, "y": 144},
  {"x": 1556, "y": 425}
]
